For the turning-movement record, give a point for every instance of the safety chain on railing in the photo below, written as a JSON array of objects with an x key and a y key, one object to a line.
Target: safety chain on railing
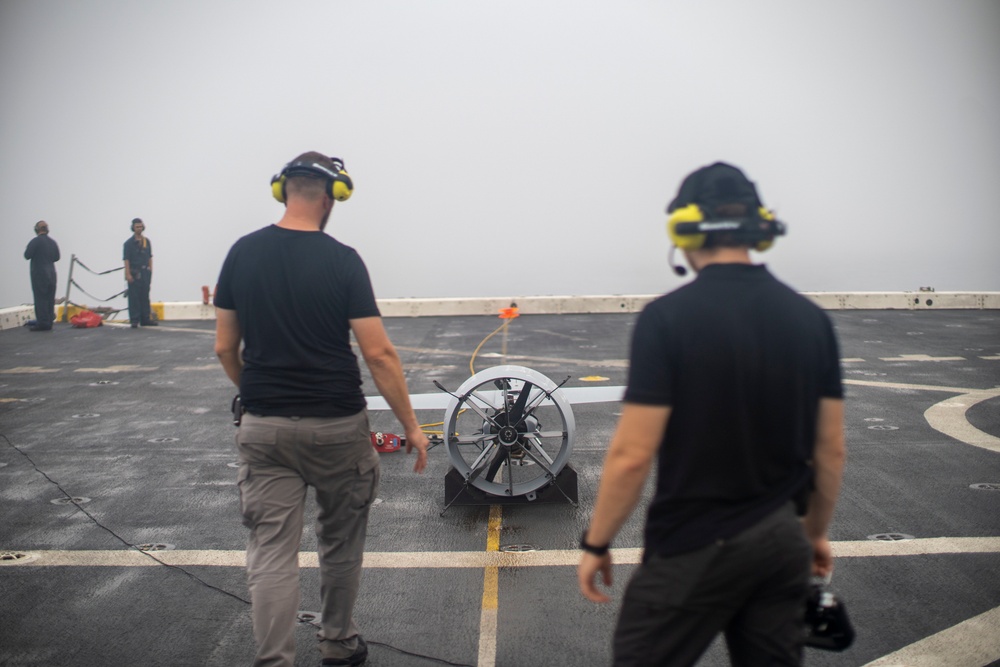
[
  {"x": 77, "y": 285},
  {"x": 96, "y": 273},
  {"x": 72, "y": 283}
]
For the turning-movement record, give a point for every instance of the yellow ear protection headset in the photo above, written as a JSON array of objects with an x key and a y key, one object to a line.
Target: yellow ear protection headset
[
  {"x": 688, "y": 228},
  {"x": 690, "y": 214},
  {"x": 339, "y": 184}
]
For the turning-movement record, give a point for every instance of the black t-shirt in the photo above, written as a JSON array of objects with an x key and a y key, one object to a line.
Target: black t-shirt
[
  {"x": 294, "y": 293},
  {"x": 743, "y": 361}
]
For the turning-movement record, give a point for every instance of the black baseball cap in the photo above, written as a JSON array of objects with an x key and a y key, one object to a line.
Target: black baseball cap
[{"x": 713, "y": 186}]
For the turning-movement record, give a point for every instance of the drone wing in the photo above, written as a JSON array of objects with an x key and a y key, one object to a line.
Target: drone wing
[
  {"x": 438, "y": 401},
  {"x": 574, "y": 395}
]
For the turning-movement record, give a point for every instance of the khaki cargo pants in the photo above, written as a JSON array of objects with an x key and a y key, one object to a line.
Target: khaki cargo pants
[{"x": 279, "y": 458}]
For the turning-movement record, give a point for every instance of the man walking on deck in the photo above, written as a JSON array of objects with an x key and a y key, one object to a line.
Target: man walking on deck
[
  {"x": 293, "y": 295},
  {"x": 43, "y": 252},
  {"x": 734, "y": 389}
]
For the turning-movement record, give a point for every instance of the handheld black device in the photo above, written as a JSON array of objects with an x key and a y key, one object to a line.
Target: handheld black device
[{"x": 827, "y": 625}]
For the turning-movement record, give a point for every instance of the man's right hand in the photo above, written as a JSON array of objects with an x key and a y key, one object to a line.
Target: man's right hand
[{"x": 417, "y": 439}]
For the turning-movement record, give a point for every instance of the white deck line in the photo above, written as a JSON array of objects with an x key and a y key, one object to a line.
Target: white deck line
[
  {"x": 949, "y": 417},
  {"x": 614, "y": 303},
  {"x": 972, "y": 643},
  {"x": 465, "y": 559}
]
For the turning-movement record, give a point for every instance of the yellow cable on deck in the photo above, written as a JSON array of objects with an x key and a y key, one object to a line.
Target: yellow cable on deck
[
  {"x": 507, "y": 314},
  {"x": 472, "y": 369}
]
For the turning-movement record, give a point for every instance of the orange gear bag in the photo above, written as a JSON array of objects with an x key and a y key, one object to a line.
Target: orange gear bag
[{"x": 86, "y": 319}]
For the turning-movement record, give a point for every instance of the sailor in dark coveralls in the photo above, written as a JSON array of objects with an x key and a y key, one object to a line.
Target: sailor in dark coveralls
[
  {"x": 138, "y": 256},
  {"x": 43, "y": 253}
]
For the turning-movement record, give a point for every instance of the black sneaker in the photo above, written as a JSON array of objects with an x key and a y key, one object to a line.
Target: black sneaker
[{"x": 358, "y": 657}]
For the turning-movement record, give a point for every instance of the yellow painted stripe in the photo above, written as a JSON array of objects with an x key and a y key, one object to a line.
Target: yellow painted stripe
[
  {"x": 493, "y": 529},
  {"x": 491, "y": 574},
  {"x": 491, "y": 585}
]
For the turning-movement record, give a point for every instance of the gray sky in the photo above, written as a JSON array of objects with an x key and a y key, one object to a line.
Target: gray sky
[{"x": 505, "y": 148}]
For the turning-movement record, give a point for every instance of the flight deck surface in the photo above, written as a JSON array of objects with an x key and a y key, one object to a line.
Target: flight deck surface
[{"x": 134, "y": 425}]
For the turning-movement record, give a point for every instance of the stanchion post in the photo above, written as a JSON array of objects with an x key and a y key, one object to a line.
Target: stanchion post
[{"x": 69, "y": 281}]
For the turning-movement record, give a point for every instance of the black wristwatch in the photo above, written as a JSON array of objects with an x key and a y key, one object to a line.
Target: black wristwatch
[{"x": 591, "y": 549}]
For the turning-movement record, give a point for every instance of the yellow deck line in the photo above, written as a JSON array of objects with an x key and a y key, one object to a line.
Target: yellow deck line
[{"x": 491, "y": 586}]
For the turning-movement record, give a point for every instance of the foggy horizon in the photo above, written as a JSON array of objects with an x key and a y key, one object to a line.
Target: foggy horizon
[{"x": 515, "y": 149}]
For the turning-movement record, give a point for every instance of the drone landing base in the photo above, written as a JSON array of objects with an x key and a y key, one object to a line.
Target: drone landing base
[{"x": 562, "y": 490}]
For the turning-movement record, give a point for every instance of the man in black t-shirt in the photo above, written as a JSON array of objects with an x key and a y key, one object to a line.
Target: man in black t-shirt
[
  {"x": 734, "y": 390},
  {"x": 137, "y": 253},
  {"x": 294, "y": 295},
  {"x": 43, "y": 253}
]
